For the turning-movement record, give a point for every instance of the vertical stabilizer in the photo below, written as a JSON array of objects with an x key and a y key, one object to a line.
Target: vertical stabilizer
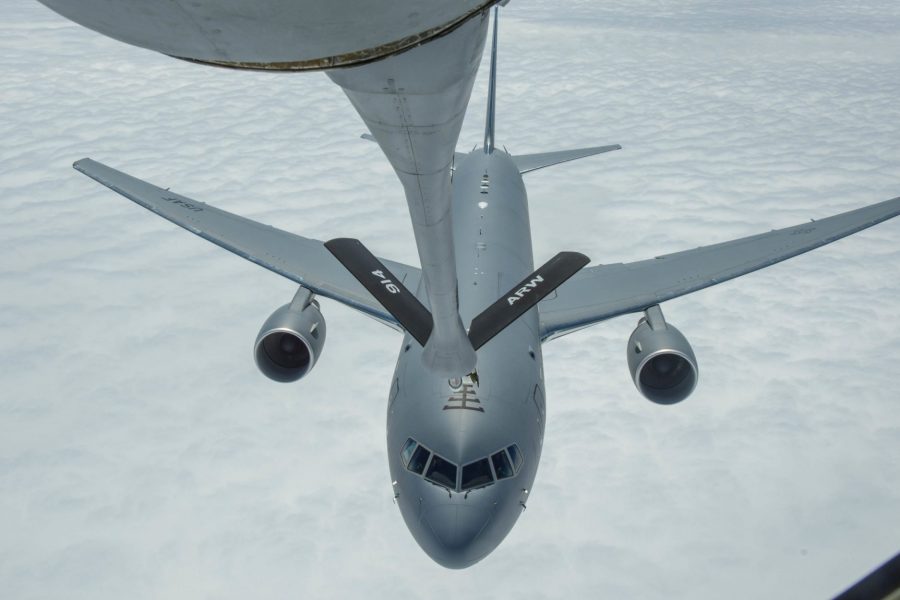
[{"x": 492, "y": 92}]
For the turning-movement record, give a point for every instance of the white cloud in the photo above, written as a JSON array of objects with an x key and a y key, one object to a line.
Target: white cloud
[{"x": 142, "y": 455}]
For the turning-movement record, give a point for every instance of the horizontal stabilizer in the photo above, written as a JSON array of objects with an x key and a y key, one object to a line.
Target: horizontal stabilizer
[
  {"x": 532, "y": 162},
  {"x": 524, "y": 295},
  {"x": 384, "y": 286}
]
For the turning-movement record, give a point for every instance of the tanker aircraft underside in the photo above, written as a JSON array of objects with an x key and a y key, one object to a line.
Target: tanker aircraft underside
[{"x": 466, "y": 407}]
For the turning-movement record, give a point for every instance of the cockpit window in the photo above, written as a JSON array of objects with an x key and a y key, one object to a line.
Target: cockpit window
[
  {"x": 442, "y": 472},
  {"x": 407, "y": 451},
  {"x": 501, "y": 465},
  {"x": 476, "y": 474},
  {"x": 418, "y": 460},
  {"x": 506, "y": 463},
  {"x": 516, "y": 456}
]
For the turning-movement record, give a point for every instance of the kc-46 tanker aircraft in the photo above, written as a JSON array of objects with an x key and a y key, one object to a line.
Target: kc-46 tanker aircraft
[{"x": 466, "y": 406}]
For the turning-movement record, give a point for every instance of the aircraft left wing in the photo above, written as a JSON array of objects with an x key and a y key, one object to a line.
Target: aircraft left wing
[
  {"x": 302, "y": 260},
  {"x": 605, "y": 291}
]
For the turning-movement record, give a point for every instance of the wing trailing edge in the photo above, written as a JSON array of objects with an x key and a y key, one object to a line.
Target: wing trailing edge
[
  {"x": 402, "y": 304},
  {"x": 384, "y": 286},
  {"x": 524, "y": 295},
  {"x": 303, "y": 260},
  {"x": 606, "y": 291}
]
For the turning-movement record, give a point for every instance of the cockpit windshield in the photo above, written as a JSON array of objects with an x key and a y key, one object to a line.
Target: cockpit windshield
[
  {"x": 516, "y": 456},
  {"x": 442, "y": 472},
  {"x": 407, "y": 451},
  {"x": 418, "y": 460},
  {"x": 476, "y": 474},
  {"x": 500, "y": 465}
]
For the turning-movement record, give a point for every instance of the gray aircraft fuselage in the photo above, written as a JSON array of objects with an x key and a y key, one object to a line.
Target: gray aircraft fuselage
[
  {"x": 464, "y": 421},
  {"x": 463, "y": 445}
]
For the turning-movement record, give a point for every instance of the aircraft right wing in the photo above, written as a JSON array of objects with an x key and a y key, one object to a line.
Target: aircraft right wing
[
  {"x": 302, "y": 260},
  {"x": 605, "y": 291}
]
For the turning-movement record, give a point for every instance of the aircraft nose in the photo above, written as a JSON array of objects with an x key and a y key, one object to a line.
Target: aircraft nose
[{"x": 457, "y": 530}]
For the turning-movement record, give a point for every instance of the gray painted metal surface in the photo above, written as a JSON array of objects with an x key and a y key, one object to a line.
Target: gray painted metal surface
[
  {"x": 413, "y": 105},
  {"x": 605, "y": 291},
  {"x": 492, "y": 92},
  {"x": 662, "y": 362},
  {"x": 474, "y": 238},
  {"x": 465, "y": 420},
  {"x": 300, "y": 259},
  {"x": 532, "y": 162},
  {"x": 284, "y": 35},
  {"x": 502, "y": 405}
]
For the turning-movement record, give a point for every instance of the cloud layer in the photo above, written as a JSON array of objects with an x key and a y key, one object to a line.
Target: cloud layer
[{"x": 142, "y": 455}]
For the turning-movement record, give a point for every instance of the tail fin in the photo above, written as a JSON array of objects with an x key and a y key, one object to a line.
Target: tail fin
[
  {"x": 492, "y": 92},
  {"x": 525, "y": 162}
]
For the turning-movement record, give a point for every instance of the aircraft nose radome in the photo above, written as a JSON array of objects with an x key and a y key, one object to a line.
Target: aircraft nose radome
[{"x": 457, "y": 530}]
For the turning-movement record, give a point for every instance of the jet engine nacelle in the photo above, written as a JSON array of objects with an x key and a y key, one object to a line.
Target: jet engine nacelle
[
  {"x": 291, "y": 340},
  {"x": 661, "y": 361}
]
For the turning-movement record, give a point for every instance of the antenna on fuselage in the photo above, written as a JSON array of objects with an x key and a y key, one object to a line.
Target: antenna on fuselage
[{"x": 492, "y": 92}]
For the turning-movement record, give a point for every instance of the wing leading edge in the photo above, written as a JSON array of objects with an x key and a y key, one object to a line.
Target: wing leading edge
[
  {"x": 605, "y": 291},
  {"x": 302, "y": 260}
]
